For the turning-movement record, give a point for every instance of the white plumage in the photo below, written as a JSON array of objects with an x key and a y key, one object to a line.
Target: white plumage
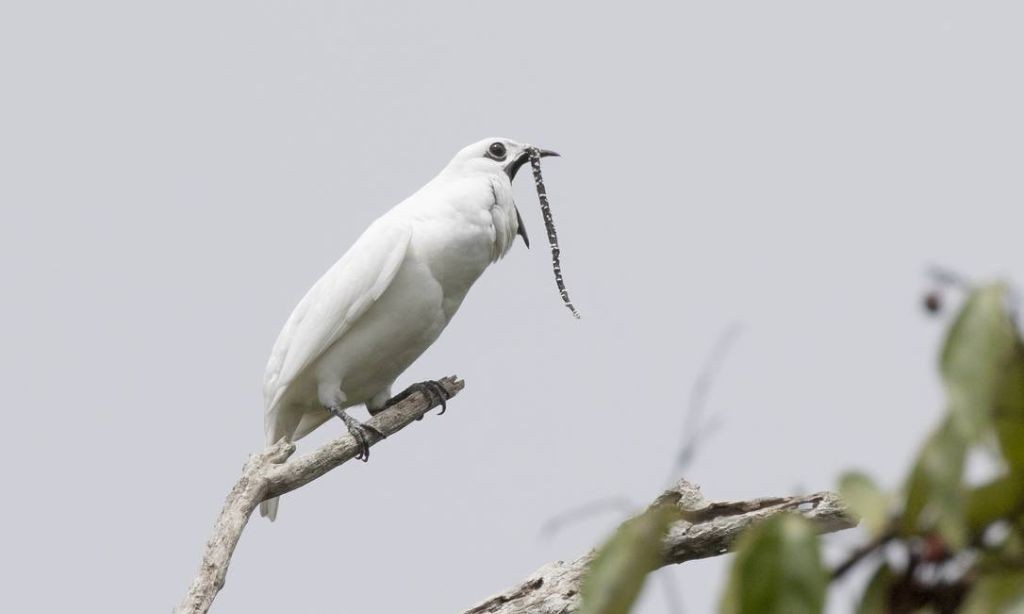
[{"x": 392, "y": 293}]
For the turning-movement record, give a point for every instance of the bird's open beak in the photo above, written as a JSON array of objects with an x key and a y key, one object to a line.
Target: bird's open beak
[
  {"x": 516, "y": 163},
  {"x": 511, "y": 169},
  {"x": 522, "y": 229}
]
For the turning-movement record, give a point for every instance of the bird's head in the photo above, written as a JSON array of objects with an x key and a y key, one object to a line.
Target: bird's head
[{"x": 494, "y": 155}]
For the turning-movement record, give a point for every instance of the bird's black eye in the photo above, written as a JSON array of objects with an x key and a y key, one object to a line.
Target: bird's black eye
[{"x": 497, "y": 150}]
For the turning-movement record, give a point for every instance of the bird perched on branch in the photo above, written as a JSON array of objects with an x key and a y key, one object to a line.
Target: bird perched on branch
[{"x": 389, "y": 297}]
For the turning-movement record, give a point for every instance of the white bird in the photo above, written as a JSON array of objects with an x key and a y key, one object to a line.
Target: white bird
[{"x": 389, "y": 297}]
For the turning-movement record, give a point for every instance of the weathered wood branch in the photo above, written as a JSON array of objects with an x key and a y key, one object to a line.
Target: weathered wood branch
[
  {"x": 266, "y": 475},
  {"x": 710, "y": 531}
]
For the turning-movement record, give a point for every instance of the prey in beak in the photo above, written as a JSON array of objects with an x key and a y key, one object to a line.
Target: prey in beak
[
  {"x": 511, "y": 169},
  {"x": 516, "y": 163}
]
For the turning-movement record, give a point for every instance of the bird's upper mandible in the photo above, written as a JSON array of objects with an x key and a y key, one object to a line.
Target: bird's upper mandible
[{"x": 494, "y": 155}]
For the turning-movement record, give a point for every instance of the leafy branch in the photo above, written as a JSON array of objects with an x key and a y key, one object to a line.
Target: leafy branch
[{"x": 941, "y": 544}]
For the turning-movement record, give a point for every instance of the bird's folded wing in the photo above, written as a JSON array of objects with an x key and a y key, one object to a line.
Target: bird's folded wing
[{"x": 338, "y": 299}]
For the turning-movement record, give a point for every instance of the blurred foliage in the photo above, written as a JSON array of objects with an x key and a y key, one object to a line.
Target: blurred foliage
[
  {"x": 777, "y": 569},
  {"x": 942, "y": 544},
  {"x": 866, "y": 500},
  {"x": 617, "y": 573}
]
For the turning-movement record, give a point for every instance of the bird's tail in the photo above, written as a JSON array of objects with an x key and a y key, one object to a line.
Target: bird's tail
[
  {"x": 268, "y": 508},
  {"x": 292, "y": 425},
  {"x": 279, "y": 425}
]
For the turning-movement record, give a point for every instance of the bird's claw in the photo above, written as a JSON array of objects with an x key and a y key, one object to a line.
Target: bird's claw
[
  {"x": 433, "y": 390},
  {"x": 364, "y": 434},
  {"x": 435, "y": 393}
]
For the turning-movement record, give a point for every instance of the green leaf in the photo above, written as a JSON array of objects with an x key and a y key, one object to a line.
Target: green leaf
[
  {"x": 1001, "y": 593},
  {"x": 777, "y": 570},
  {"x": 617, "y": 573},
  {"x": 933, "y": 491},
  {"x": 982, "y": 368},
  {"x": 982, "y": 364},
  {"x": 1009, "y": 410},
  {"x": 1011, "y": 440},
  {"x": 999, "y": 499},
  {"x": 875, "y": 599},
  {"x": 867, "y": 502}
]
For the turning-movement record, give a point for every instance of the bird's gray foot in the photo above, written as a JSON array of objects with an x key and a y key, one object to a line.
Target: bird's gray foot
[
  {"x": 433, "y": 390},
  {"x": 364, "y": 434}
]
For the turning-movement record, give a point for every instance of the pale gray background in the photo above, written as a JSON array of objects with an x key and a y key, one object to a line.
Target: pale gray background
[{"x": 175, "y": 175}]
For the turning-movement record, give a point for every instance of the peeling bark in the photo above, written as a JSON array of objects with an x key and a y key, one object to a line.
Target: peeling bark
[{"x": 709, "y": 530}]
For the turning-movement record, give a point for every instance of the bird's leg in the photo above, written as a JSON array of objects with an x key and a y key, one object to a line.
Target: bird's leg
[
  {"x": 363, "y": 433},
  {"x": 433, "y": 390}
]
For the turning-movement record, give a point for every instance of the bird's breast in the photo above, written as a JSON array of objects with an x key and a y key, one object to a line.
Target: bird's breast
[
  {"x": 456, "y": 254},
  {"x": 463, "y": 235}
]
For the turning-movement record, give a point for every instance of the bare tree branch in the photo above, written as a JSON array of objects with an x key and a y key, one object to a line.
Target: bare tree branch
[
  {"x": 266, "y": 474},
  {"x": 554, "y": 588}
]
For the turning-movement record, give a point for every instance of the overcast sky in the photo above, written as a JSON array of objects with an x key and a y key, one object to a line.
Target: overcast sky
[{"x": 175, "y": 175}]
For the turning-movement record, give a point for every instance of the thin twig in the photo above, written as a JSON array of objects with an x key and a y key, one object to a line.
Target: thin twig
[
  {"x": 611, "y": 504},
  {"x": 861, "y": 552},
  {"x": 697, "y": 429},
  {"x": 948, "y": 277}
]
